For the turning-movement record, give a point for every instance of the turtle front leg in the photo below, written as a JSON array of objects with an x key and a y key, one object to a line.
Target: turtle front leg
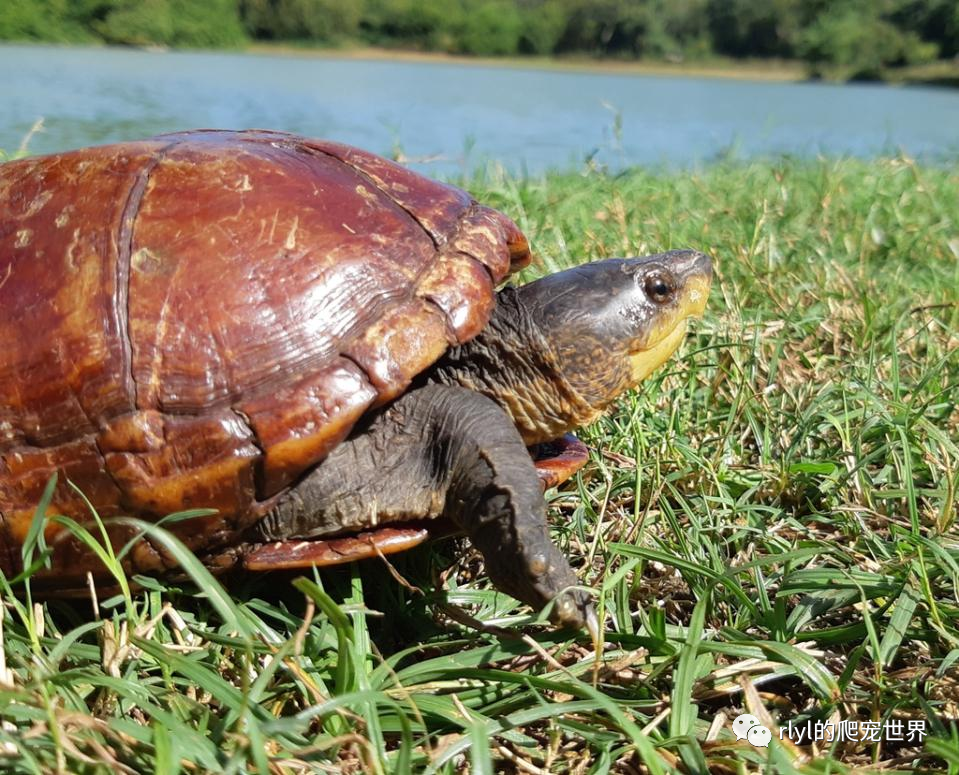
[{"x": 441, "y": 451}]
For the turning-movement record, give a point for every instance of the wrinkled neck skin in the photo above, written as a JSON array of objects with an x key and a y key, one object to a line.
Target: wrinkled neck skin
[{"x": 524, "y": 369}]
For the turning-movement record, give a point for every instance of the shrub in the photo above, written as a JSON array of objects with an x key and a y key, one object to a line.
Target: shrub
[{"x": 490, "y": 28}]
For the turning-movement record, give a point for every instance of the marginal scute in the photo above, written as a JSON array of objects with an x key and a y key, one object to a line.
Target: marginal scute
[
  {"x": 24, "y": 475},
  {"x": 298, "y": 424},
  {"x": 403, "y": 342},
  {"x": 493, "y": 240},
  {"x": 461, "y": 287},
  {"x": 206, "y": 462},
  {"x": 134, "y": 432}
]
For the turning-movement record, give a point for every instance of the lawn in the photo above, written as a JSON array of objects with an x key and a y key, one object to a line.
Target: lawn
[{"x": 769, "y": 525}]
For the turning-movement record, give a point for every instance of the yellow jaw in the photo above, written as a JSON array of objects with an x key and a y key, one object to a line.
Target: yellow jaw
[{"x": 645, "y": 362}]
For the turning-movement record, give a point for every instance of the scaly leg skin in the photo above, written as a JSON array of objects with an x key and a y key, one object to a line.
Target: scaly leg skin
[{"x": 441, "y": 451}]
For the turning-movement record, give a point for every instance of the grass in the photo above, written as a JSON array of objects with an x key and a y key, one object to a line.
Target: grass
[{"x": 769, "y": 526}]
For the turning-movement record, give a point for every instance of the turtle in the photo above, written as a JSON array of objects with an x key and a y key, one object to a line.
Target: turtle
[{"x": 312, "y": 342}]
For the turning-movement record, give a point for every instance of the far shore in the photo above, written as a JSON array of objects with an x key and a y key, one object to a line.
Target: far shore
[
  {"x": 751, "y": 70},
  {"x": 942, "y": 73}
]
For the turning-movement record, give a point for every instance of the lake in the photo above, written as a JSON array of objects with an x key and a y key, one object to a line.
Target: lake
[{"x": 449, "y": 117}]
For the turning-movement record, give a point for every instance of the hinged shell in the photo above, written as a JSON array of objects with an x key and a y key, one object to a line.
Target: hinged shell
[{"x": 196, "y": 319}]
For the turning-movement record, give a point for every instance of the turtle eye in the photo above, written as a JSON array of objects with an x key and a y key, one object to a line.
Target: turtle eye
[{"x": 659, "y": 286}]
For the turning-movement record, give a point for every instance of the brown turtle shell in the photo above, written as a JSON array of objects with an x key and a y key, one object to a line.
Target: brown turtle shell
[{"x": 194, "y": 320}]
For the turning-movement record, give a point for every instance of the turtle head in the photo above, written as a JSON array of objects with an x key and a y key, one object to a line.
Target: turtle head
[
  {"x": 609, "y": 324},
  {"x": 559, "y": 350}
]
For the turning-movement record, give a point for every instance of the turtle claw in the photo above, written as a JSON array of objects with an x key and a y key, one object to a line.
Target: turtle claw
[
  {"x": 593, "y": 628},
  {"x": 574, "y": 609}
]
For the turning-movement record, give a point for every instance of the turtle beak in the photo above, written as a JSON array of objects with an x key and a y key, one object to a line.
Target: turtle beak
[{"x": 698, "y": 277}]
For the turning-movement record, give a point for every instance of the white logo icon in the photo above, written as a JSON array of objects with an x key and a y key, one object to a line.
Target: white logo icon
[
  {"x": 759, "y": 736},
  {"x": 747, "y": 727},
  {"x": 742, "y": 724}
]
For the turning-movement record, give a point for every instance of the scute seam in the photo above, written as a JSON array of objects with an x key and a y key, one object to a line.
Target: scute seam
[
  {"x": 451, "y": 338},
  {"x": 106, "y": 468},
  {"x": 489, "y": 271},
  {"x": 454, "y": 232},
  {"x": 258, "y": 473},
  {"x": 360, "y": 368},
  {"x": 359, "y": 173},
  {"x": 414, "y": 288},
  {"x": 124, "y": 257}
]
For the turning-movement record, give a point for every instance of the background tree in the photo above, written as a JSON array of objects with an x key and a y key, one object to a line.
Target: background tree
[
  {"x": 210, "y": 24},
  {"x": 489, "y": 28},
  {"x": 861, "y": 38},
  {"x": 49, "y": 20},
  {"x": 678, "y": 29},
  {"x": 839, "y": 38},
  {"x": 745, "y": 28},
  {"x": 543, "y": 24},
  {"x": 318, "y": 20},
  {"x": 420, "y": 24}
]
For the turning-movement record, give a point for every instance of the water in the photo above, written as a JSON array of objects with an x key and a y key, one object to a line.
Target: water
[{"x": 457, "y": 116}]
